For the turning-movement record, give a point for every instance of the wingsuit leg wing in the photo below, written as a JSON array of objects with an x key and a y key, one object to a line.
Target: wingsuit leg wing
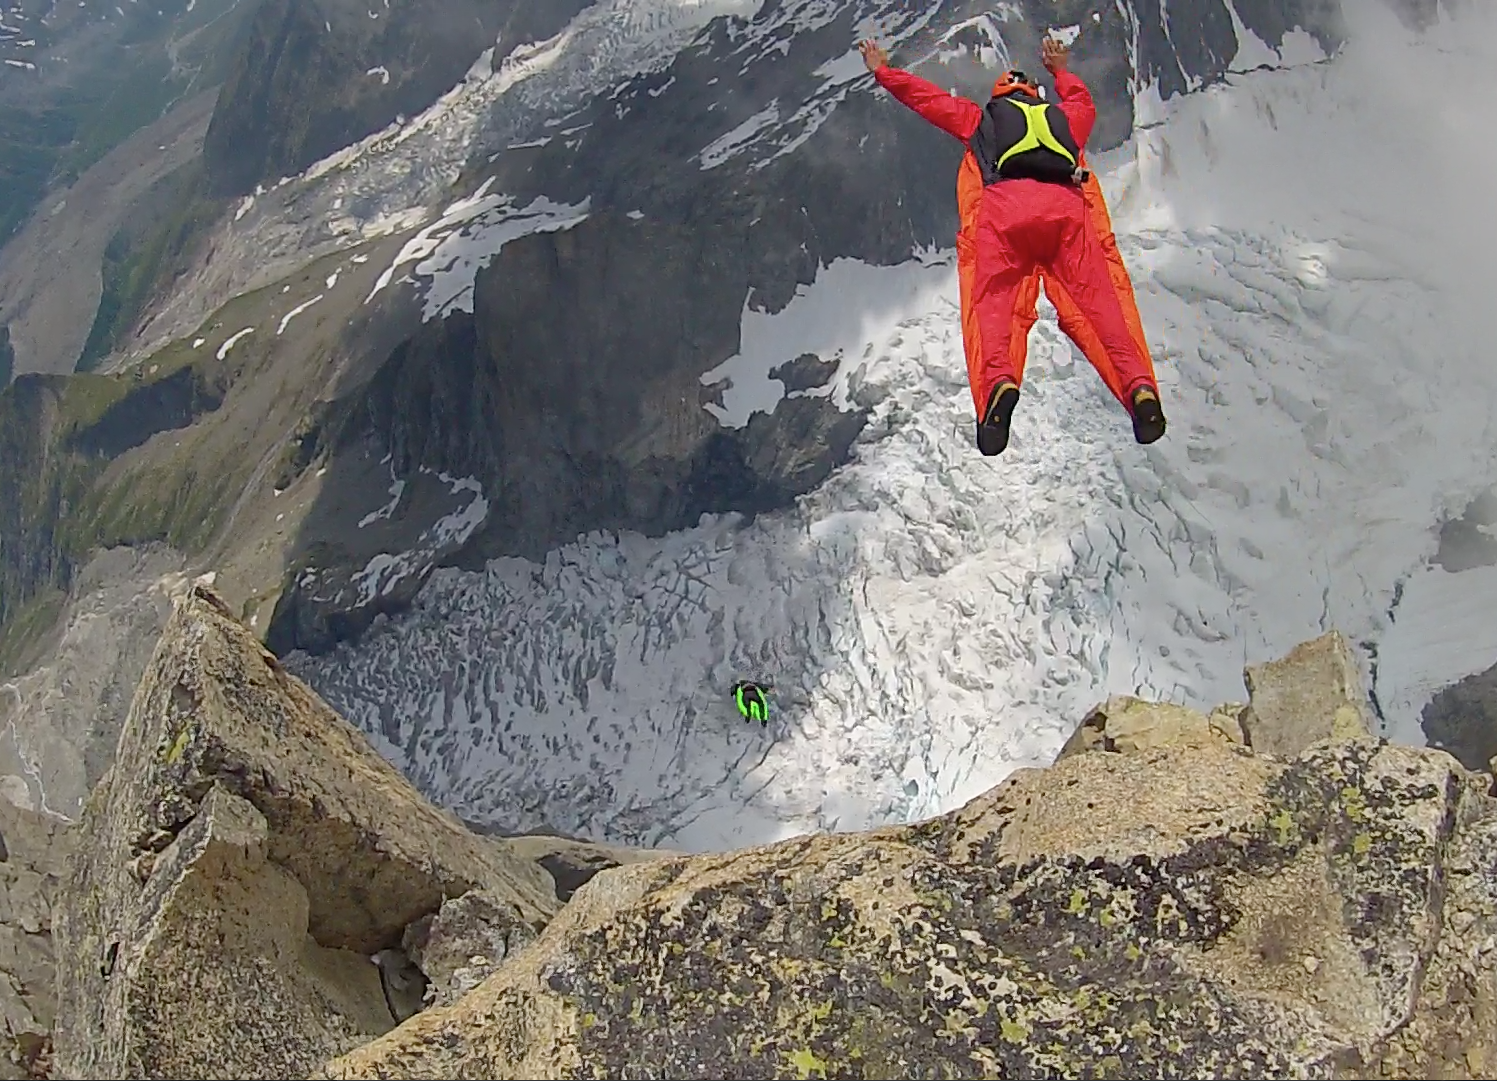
[
  {"x": 1074, "y": 323},
  {"x": 969, "y": 199}
]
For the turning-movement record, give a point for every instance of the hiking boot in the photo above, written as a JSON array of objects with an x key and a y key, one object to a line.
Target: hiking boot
[
  {"x": 1148, "y": 416},
  {"x": 992, "y": 430}
]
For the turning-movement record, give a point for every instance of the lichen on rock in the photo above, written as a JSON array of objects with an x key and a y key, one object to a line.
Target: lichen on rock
[{"x": 1166, "y": 901}]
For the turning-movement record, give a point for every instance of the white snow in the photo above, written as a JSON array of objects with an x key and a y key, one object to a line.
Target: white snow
[
  {"x": 223, "y": 350},
  {"x": 294, "y": 312},
  {"x": 1066, "y": 35},
  {"x": 933, "y": 620},
  {"x": 397, "y": 489},
  {"x": 387, "y": 570},
  {"x": 994, "y": 54},
  {"x": 730, "y": 142},
  {"x": 449, "y": 253},
  {"x": 816, "y": 321},
  {"x": 1252, "y": 51},
  {"x": 1442, "y": 633},
  {"x": 892, "y": 22}
]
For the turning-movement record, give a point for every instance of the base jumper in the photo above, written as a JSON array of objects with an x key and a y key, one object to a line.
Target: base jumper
[
  {"x": 751, "y": 701},
  {"x": 1030, "y": 210}
]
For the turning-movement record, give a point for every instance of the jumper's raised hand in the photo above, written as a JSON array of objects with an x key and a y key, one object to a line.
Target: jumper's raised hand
[
  {"x": 874, "y": 56},
  {"x": 1054, "y": 55}
]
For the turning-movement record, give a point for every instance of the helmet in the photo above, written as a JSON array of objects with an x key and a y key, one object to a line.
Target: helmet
[{"x": 1014, "y": 80}]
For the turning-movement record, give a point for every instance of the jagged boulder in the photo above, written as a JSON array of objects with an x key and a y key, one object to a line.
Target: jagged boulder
[
  {"x": 1190, "y": 908},
  {"x": 1313, "y": 693},
  {"x": 1125, "y": 724},
  {"x": 240, "y": 865},
  {"x": 33, "y": 852},
  {"x": 572, "y": 863}
]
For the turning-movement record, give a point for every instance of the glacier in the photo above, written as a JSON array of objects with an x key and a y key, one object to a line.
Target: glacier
[{"x": 1311, "y": 251}]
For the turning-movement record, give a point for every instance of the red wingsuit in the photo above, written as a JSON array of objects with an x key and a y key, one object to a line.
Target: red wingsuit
[{"x": 1012, "y": 231}]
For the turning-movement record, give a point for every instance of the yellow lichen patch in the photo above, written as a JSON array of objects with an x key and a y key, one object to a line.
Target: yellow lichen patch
[
  {"x": 178, "y": 748},
  {"x": 1013, "y": 1031},
  {"x": 806, "y": 1064},
  {"x": 1284, "y": 826}
]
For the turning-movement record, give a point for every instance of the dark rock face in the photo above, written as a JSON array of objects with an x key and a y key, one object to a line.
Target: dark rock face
[
  {"x": 804, "y": 372},
  {"x": 574, "y": 412},
  {"x": 578, "y": 399},
  {"x": 1462, "y": 719},
  {"x": 318, "y": 75},
  {"x": 7, "y": 357},
  {"x": 1470, "y": 541},
  {"x": 161, "y": 406},
  {"x": 31, "y": 496}
]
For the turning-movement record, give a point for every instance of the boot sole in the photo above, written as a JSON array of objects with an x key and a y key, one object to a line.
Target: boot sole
[
  {"x": 1149, "y": 424},
  {"x": 992, "y": 433}
]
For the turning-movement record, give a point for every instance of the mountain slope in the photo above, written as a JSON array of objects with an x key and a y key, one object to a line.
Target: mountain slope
[{"x": 78, "y": 79}]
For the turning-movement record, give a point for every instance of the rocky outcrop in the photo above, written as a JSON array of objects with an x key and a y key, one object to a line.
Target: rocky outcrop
[
  {"x": 1313, "y": 693},
  {"x": 61, "y": 722},
  {"x": 1126, "y": 724},
  {"x": 243, "y": 860},
  {"x": 1175, "y": 905},
  {"x": 33, "y": 851},
  {"x": 252, "y": 891},
  {"x": 572, "y": 863}
]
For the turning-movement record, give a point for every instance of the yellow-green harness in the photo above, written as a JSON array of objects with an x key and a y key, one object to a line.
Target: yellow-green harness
[
  {"x": 1037, "y": 133},
  {"x": 1034, "y": 142}
]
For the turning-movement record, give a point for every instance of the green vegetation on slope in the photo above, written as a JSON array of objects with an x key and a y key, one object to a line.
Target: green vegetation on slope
[
  {"x": 53, "y": 134},
  {"x": 146, "y": 254},
  {"x": 97, "y": 460},
  {"x": 27, "y": 630},
  {"x": 37, "y": 486},
  {"x": 58, "y": 438}
]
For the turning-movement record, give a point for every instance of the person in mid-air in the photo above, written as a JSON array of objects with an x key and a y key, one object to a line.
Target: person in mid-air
[
  {"x": 751, "y": 701},
  {"x": 1030, "y": 209}
]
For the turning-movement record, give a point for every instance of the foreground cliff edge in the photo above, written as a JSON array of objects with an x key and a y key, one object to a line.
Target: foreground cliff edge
[{"x": 1164, "y": 901}]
